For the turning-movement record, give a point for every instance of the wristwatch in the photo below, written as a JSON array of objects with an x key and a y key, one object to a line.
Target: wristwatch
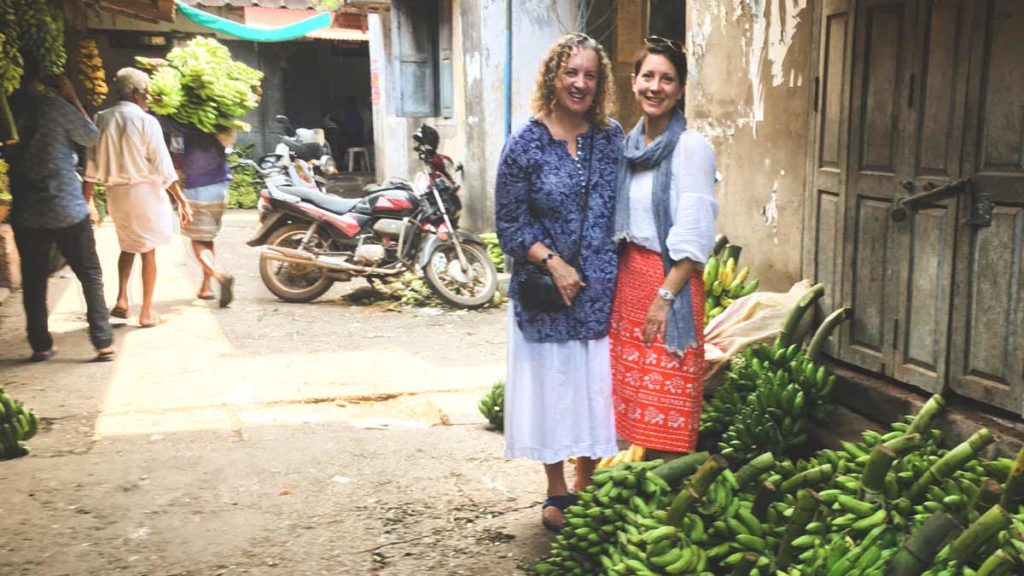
[{"x": 666, "y": 294}]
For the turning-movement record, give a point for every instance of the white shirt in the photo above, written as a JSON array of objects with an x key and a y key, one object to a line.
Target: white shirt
[
  {"x": 693, "y": 204},
  {"x": 130, "y": 149}
]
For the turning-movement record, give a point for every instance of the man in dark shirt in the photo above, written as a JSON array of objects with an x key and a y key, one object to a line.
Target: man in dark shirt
[
  {"x": 49, "y": 207},
  {"x": 201, "y": 160}
]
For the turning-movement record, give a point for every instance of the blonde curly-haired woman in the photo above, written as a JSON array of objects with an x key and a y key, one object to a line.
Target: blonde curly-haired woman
[{"x": 554, "y": 201}]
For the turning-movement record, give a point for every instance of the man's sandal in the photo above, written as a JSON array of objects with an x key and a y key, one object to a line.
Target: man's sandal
[{"x": 561, "y": 502}]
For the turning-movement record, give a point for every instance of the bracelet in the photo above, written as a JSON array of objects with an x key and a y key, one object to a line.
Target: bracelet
[{"x": 544, "y": 261}]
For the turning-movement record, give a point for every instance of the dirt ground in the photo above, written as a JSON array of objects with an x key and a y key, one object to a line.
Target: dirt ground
[{"x": 266, "y": 438}]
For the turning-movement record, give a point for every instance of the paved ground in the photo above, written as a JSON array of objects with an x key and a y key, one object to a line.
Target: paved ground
[{"x": 323, "y": 438}]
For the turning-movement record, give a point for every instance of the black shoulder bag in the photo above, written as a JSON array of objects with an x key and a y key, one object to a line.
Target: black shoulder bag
[{"x": 537, "y": 289}]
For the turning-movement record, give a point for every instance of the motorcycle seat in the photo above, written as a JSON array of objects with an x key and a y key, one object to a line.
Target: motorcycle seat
[{"x": 328, "y": 202}]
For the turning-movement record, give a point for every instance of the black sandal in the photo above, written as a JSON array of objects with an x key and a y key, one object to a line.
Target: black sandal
[{"x": 561, "y": 502}]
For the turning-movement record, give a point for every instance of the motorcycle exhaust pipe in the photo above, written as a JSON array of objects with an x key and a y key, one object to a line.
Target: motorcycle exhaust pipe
[{"x": 292, "y": 256}]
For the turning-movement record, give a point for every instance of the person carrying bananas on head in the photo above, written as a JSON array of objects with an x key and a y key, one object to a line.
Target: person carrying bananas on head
[
  {"x": 201, "y": 159},
  {"x": 132, "y": 161}
]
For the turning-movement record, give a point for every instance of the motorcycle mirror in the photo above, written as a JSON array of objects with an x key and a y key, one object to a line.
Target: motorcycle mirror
[
  {"x": 460, "y": 168},
  {"x": 284, "y": 121},
  {"x": 229, "y": 150}
]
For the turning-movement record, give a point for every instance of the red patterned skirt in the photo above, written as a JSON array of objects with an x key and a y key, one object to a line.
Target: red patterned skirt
[{"x": 657, "y": 396}]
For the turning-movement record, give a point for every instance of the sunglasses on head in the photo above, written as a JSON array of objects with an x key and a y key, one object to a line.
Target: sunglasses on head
[{"x": 664, "y": 42}]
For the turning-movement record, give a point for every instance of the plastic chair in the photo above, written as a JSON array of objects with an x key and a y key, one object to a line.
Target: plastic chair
[{"x": 358, "y": 156}]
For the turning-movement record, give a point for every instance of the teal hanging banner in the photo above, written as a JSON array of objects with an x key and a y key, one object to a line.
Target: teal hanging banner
[{"x": 239, "y": 30}]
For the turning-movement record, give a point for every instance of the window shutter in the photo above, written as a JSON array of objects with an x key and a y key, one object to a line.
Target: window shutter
[
  {"x": 444, "y": 59},
  {"x": 413, "y": 26}
]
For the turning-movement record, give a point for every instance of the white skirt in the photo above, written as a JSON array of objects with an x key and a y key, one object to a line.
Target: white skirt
[
  {"x": 558, "y": 398},
  {"x": 142, "y": 216}
]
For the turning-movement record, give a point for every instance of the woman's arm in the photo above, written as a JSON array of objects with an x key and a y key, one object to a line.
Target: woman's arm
[
  {"x": 519, "y": 233},
  {"x": 692, "y": 235}
]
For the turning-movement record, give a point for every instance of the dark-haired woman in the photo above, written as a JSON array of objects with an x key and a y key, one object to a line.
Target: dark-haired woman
[
  {"x": 554, "y": 202},
  {"x": 665, "y": 220}
]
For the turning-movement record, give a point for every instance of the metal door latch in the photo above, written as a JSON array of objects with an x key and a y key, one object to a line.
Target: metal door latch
[{"x": 901, "y": 207}]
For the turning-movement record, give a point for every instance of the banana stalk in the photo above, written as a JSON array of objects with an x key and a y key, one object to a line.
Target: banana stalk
[
  {"x": 763, "y": 498},
  {"x": 807, "y": 503},
  {"x": 675, "y": 470},
  {"x": 753, "y": 469},
  {"x": 923, "y": 421},
  {"x": 1014, "y": 488},
  {"x": 880, "y": 462},
  {"x": 918, "y": 551},
  {"x": 980, "y": 533},
  {"x": 720, "y": 242},
  {"x": 807, "y": 478},
  {"x": 825, "y": 330},
  {"x": 695, "y": 489},
  {"x": 999, "y": 563},
  {"x": 793, "y": 321},
  {"x": 951, "y": 462},
  {"x": 732, "y": 251},
  {"x": 987, "y": 497},
  {"x": 8, "y": 129}
]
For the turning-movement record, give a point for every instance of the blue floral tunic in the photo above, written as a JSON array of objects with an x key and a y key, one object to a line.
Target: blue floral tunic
[{"x": 540, "y": 182}]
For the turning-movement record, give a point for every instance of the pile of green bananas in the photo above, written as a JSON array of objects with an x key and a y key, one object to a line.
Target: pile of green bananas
[
  {"x": 17, "y": 425},
  {"x": 771, "y": 391},
  {"x": 894, "y": 504},
  {"x": 31, "y": 29},
  {"x": 494, "y": 250},
  {"x": 722, "y": 282},
  {"x": 492, "y": 405},
  {"x": 200, "y": 84}
]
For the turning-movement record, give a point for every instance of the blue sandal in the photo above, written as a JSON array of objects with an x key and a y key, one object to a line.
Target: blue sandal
[{"x": 561, "y": 502}]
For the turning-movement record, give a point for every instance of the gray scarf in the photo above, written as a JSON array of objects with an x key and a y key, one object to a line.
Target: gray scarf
[{"x": 680, "y": 331}]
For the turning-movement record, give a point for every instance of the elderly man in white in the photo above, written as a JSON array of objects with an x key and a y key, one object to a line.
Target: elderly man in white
[{"x": 132, "y": 161}]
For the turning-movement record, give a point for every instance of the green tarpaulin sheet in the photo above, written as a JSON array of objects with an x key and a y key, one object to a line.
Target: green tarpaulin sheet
[{"x": 239, "y": 30}]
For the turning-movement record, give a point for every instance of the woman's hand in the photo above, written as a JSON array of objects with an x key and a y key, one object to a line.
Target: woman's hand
[
  {"x": 566, "y": 278},
  {"x": 654, "y": 324}
]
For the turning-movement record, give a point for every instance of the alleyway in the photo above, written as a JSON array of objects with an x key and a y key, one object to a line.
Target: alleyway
[{"x": 266, "y": 438}]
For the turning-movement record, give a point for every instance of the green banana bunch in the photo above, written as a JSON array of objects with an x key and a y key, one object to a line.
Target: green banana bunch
[
  {"x": 723, "y": 283},
  {"x": 200, "y": 84},
  {"x": 17, "y": 425},
  {"x": 492, "y": 405},
  {"x": 494, "y": 251}
]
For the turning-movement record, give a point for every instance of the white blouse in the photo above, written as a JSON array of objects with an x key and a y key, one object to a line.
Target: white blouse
[{"x": 693, "y": 204}]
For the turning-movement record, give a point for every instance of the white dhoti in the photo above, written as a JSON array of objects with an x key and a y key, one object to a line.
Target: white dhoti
[{"x": 142, "y": 216}]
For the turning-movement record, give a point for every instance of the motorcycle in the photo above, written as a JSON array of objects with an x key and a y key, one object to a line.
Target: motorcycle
[{"x": 309, "y": 239}]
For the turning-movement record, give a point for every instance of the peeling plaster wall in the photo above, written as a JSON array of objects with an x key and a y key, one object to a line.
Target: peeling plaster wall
[{"x": 749, "y": 93}]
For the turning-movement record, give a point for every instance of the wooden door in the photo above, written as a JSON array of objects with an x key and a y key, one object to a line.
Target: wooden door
[
  {"x": 880, "y": 156},
  {"x": 828, "y": 153},
  {"x": 925, "y": 241},
  {"x": 988, "y": 301}
]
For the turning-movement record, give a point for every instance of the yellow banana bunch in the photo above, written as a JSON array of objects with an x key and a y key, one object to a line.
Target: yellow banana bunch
[
  {"x": 723, "y": 284},
  {"x": 91, "y": 73},
  {"x": 632, "y": 454}
]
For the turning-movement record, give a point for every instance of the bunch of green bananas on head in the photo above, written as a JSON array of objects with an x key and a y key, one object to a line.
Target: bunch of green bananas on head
[
  {"x": 17, "y": 424},
  {"x": 200, "y": 84},
  {"x": 38, "y": 26}
]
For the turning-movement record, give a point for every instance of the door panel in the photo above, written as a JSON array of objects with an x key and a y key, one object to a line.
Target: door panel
[
  {"x": 988, "y": 302},
  {"x": 883, "y": 58},
  {"x": 829, "y": 128},
  {"x": 927, "y": 239}
]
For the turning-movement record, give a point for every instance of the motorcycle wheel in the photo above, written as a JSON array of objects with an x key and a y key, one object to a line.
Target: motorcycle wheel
[
  {"x": 445, "y": 277},
  {"x": 295, "y": 282}
]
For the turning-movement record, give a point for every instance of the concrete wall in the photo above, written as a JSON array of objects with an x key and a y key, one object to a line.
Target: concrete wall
[
  {"x": 749, "y": 92},
  {"x": 475, "y": 134}
]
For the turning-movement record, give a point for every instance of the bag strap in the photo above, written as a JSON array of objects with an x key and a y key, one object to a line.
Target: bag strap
[{"x": 586, "y": 205}]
